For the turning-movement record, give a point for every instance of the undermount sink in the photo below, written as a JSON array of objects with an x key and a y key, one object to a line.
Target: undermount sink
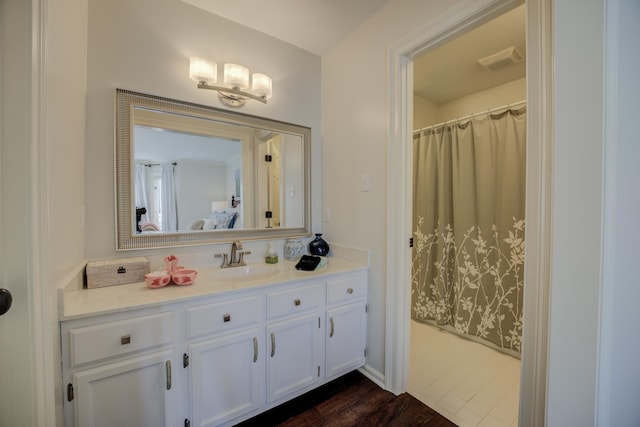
[{"x": 247, "y": 272}]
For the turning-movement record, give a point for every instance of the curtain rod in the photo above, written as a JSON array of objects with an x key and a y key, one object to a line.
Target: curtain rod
[{"x": 471, "y": 116}]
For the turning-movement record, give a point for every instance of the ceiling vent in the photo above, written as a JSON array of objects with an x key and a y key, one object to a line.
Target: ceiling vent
[{"x": 501, "y": 59}]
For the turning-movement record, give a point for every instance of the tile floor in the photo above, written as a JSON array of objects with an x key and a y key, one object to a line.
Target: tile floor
[{"x": 468, "y": 383}]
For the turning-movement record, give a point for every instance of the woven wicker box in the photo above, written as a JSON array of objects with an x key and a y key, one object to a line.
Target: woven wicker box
[{"x": 116, "y": 271}]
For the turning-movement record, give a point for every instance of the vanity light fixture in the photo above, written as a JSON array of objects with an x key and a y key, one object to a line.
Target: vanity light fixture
[{"x": 235, "y": 92}]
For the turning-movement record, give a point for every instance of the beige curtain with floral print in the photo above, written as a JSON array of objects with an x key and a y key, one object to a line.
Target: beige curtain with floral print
[{"x": 468, "y": 222}]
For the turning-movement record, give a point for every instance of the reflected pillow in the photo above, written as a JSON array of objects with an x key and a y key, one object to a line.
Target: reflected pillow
[
  {"x": 209, "y": 224},
  {"x": 225, "y": 218},
  {"x": 196, "y": 225}
]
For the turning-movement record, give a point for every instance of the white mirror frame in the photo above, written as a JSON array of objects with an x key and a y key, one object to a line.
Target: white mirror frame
[{"x": 126, "y": 238}]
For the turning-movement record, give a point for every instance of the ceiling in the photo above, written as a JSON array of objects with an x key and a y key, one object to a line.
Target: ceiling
[
  {"x": 313, "y": 25},
  {"x": 452, "y": 70},
  {"x": 445, "y": 73}
]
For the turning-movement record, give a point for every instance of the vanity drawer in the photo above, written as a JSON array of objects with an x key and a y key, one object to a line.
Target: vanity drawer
[
  {"x": 294, "y": 300},
  {"x": 347, "y": 288},
  {"x": 222, "y": 316},
  {"x": 96, "y": 342}
]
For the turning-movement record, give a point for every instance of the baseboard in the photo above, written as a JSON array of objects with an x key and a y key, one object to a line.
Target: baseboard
[{"x": 373, "y": 374}]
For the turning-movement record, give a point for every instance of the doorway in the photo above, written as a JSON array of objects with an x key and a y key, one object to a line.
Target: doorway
[
  {"x": 539, "y": 112},
  {"x": 463, "y": 363}
]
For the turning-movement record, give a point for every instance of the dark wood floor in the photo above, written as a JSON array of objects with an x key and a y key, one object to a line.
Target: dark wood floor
[{"x": 352, "y": 400}]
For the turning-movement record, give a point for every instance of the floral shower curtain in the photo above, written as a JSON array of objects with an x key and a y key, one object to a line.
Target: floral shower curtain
[{"x": 468, "y": 222}]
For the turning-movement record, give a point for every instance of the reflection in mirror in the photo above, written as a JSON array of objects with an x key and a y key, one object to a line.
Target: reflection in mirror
[{"x": 188, "y": 174}]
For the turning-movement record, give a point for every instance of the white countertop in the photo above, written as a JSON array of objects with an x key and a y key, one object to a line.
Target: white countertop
[{"x": 76, "y": 304}]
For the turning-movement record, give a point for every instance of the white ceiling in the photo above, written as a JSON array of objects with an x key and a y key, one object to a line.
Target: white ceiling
[
  {"x": 161, "y": 145},
  {"x": 443, "y": 74},
  {"x": 313, "y": 25},
  {"x": 452, "y": 70}
]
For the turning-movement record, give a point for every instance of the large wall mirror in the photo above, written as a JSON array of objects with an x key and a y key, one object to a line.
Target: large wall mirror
[{"x": 189, "y": 174}]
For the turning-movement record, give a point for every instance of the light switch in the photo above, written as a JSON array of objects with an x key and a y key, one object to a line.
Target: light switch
[
  {"x": 292, "y": 192},
  {"x": 365, "y": 182},
  {"x": 327, "y": 215}
]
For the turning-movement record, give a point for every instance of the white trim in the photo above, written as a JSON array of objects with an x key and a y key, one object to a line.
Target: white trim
[
  {"x": 457, "y": 20},
  {"x": 538, "y": 214},
  {"x": 42, "y": 294},
  {"x": 610, "y": 156},
  {"x": 373, "y": 374}
]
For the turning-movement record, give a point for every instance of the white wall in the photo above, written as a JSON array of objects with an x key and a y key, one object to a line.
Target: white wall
[
  {"x": 198, "y": 183},
  {"x": 355, "y": 119},
  {"x": 145, "y": 45},
  {"x": 66, "y": 74},
  {"x": 498, "y": 96},
  {"x": 577, "y": 206},
  {"x": 65, "y": 109},
  {"x": 426, "y": 113},
  {"x": 620, "y": 342}
]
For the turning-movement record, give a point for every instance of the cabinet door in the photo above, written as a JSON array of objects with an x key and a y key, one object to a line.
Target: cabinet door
[
  {"x": 292, "y": 362},
  {"x": 345, "y": 338},
  {"x": 227, "y": 377},
  {"x": 133, "y": 392}
]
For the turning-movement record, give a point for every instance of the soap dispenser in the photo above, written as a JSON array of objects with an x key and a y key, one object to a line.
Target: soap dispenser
[{"x": 271, "y": 256}]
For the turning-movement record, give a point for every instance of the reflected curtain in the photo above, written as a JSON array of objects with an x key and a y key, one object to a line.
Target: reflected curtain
[
  {"x": 168, "y": 199},
  {"x": 468, "y": 222},
  {"x": 140, "y": 188}
]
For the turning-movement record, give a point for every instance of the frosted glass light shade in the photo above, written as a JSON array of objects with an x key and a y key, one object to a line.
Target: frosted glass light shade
[
  {"x": 262, "y": 85},
  {"x": 236, "y": 76},
  {"x": 203, "y": 71}
]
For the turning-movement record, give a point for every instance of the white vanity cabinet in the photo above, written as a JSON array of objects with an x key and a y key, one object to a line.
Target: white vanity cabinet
[
  {"x": 346, "y": 333},
  {"x": 294, "y": 340},
  {"x": 118, "y": 370},
  {"x": 214, "y": 359},
  {"x": 225, "y": 360}
]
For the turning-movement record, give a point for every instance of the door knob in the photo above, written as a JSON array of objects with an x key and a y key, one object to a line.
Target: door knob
[{"x": 5, "y": 300}]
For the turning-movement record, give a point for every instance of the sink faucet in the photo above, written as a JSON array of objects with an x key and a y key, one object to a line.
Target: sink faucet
[
  {"x": 236, "y": 258},
  {"x": 235, "y": 247}
]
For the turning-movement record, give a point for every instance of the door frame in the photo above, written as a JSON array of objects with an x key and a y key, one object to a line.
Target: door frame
[
  {"x": 36, "y": 342},
  {"x": 455, "y": 21}
]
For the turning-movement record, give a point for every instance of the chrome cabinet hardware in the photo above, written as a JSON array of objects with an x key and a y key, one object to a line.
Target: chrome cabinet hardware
[
  {"x": 273, "y": 344},
  {"x": 226, "y": 317},
  {"x": 255, "y": 349},
  {"x": 168, "y": 369},
  {"x": 331, "y": 322},
  {"x": 125, "y": 340}
]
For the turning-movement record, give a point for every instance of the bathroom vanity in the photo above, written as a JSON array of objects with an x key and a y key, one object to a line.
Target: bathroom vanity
[{"x": 222, "y": 350}]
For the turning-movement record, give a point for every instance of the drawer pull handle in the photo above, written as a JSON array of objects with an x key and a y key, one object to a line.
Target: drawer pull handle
[
  {"x": 226, "y": 317},
  {"x": 255, "y": 349},
  {"x": 273, "y": 344},
  {"x": 296, "y": 302},
  {"x": 331, "y": 332},
  {"x": 350, "y": 290},
  {"x": 168, "y": 369},
  {"x": 125, "y": 340}
]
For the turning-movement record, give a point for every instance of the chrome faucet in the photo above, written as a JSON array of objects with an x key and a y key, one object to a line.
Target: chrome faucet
[
  {"x": 236, "y": 258},
  {"x": 235, "y": 248}
]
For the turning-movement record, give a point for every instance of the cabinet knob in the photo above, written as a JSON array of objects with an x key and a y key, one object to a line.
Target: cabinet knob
[
  {"x": 296, "y": 302},
  {"x": 350, "y": 290},
  {"x": 226, "y": 317},
  {"x": 125, "y": 340}
]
